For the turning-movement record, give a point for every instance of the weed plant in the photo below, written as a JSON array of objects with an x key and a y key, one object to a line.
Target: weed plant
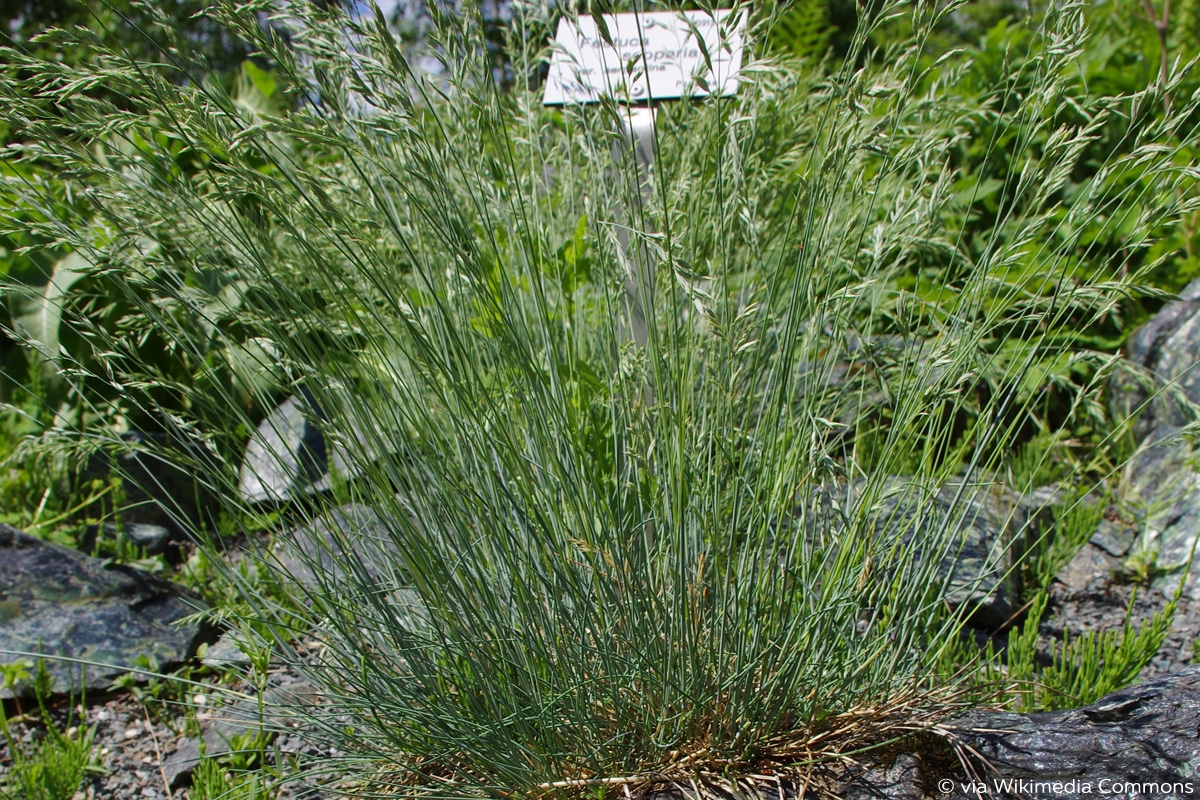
[
  {"x": 610, "y": 559},
  {"x": 54, "y": 767}
]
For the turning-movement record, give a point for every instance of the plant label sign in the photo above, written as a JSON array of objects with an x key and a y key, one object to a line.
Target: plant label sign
[{"x": 640, "y": 58}]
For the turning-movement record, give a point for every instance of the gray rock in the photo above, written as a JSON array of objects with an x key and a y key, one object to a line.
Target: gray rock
[
  {"x": 1147, "y": 734},
  {"x": 349, "y": 539},
  {"x": 1155, "y": 517},
  {"x": 286, "y": 456},
  {"x": 1162, "y": 491},
  {"x": 1114, "y": 538},
  {"x": 1090, "y": 570},
  {"x": 225, "y": 653},
  {"x": 1162, "y": 485},
  {"x": 900, "y": 781},
  {"x": 289, "y": 456},
  {"x": 1166, "y": 347},
  {"x": 60, "y": 602},
  {"x": 347, "y": 550},
  {"x": 975, "y": 530},
  {"x": 153, "y": 539},
  {"x": 983, "y": 529}
]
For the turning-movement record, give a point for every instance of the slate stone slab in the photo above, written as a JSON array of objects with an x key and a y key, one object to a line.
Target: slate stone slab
[
  {"x": 349, "y": 550},
  {"x": 225, "y": 653},
  {"x": 1092, "y": 568},
  {"x": 1162, "y": 489},
  {"x": 1168, "y": 346},
  {"x": 289, "y": 456},
  {"x": 1162, "y": 482},
  {"x": 58, "y": 601},
  {"x": 1114, "y": 537},
  {"x": 286, "y": 454},
  {"x": 981, "y": 527},
  {"x": 1147, "y": 735},
  {"x": 352, "y": 539},
  {"x": 1152, "y": 526},
  {"x": 1149, "y": 732}
]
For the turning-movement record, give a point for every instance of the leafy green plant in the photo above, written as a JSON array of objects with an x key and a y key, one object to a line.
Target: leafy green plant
[
  {"x": 243, "y": 773},
  {"x": 802, "y": 29},
  {"x": 1141, "y": 566},
  {"x": 214, "y": 780},
  {"x": 1083, "y": 668},
  {"x": 603, "y": 555},
  {"x": 1090, "y": 665},
  {"x": 50, "y": 769},
  {"x": 64, "y": 410},
  {"x": 1021, "y": 652}
]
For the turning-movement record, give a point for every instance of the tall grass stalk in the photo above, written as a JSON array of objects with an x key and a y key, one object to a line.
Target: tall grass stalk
[{"x": 584, "y": 579}]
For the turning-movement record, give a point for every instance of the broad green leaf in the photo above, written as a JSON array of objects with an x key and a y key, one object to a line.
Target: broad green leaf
[{"x": 41, "y": 319}]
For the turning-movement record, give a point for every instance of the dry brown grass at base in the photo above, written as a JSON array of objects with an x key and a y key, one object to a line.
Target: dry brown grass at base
[{"x": 814, "y": 762}]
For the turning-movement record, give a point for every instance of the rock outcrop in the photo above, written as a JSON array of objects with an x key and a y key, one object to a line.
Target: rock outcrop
[
  {"x": 62, "y": 603},
  {"x": 1166, "y": 348},
  {"x": 1140, "y": 742},
  {"x": 227, "y": 727},
  {"x": 290, "y": 456}
]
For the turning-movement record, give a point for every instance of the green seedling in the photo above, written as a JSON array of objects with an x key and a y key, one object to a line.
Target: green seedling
[
  {"x": 215, "y": 780},
  {"x": 50, "y": 769}
]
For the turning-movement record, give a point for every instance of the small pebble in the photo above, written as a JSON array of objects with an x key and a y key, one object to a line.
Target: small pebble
[
  {"x": 199, "y": 699},
  {"x": 132, "y": 733}
]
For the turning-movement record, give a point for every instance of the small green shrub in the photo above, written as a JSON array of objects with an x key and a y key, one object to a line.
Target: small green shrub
[
  {"x": 213, "y": 780},
  {"x": 1084, "y": 667},
  {"x": 50, "y": 769}
]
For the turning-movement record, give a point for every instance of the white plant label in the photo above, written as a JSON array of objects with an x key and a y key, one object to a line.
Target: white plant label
[{"x": 640, "y": 58}]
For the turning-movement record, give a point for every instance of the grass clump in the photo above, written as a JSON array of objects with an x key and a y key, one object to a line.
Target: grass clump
[{"x": 608, "y": 559}]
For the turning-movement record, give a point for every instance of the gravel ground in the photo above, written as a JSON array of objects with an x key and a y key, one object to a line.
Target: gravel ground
[
  {"x": 1090, "y": 595},
  {"x": 130, "y": 745},
  {"x": 136, "y": 743}
]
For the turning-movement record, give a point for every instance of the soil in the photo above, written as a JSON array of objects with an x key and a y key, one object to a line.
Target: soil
[{"x": 135, "y": 739}]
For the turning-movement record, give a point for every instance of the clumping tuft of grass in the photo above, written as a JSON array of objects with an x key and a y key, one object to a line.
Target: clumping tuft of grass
[{"x": 605, "y": 561}]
